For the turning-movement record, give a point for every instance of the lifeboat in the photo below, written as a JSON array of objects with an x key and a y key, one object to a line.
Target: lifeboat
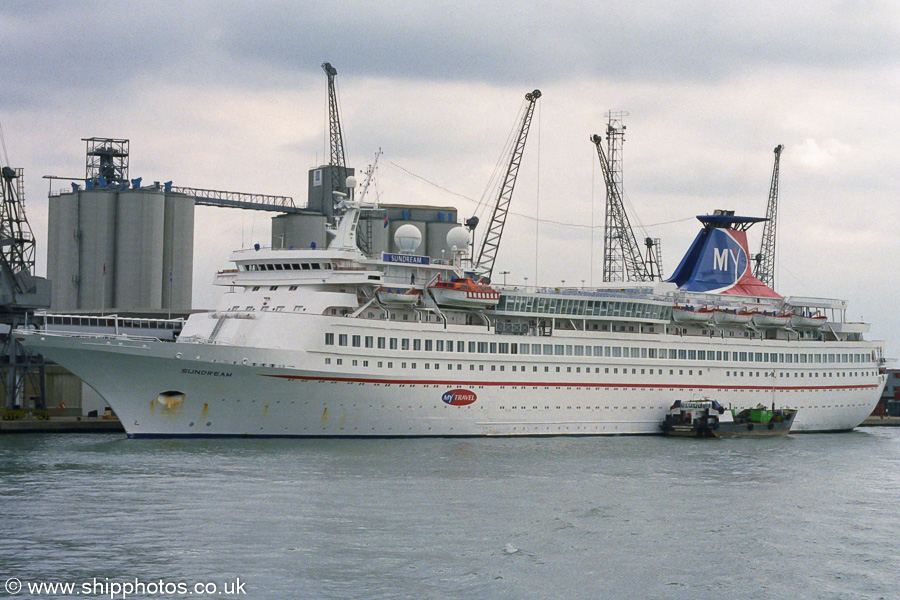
[
  {"x": 465, "y": 293},
  {"x": 689, "y": 314},
  {"x": 731, "y": 316},
  {"x": 816, "y": 321},
  {"x": 398, "y": 296},
  {"x": 771, "y": 320}
]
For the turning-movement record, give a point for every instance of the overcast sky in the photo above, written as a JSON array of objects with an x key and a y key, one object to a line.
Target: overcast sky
[{"x": 232, "y": 96}]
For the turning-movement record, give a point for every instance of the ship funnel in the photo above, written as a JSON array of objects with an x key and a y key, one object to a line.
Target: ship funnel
[{"x": 718, "y": 261}]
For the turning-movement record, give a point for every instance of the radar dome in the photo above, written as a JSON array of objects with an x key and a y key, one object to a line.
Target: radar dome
[
  {"x": 408, "y": 237},
  {"x": 458, "y": 237},
  {"x": 351, "y": 182}
]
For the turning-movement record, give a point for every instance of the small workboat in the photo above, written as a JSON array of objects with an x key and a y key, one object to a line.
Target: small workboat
[{"x": 708, "y": 418}]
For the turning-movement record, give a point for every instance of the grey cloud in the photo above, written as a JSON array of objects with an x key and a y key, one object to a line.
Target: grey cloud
[
  {"x": 553, "y": 41},
  {"x": 65, "y": 44}
]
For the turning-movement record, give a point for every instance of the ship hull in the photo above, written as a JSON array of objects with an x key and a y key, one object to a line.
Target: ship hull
[{"x": 162, "y": 389}]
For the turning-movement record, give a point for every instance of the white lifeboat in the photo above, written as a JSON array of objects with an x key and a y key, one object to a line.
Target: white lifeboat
[
  {"x": 771, "y": 320},
  {"x": 816, "y": 321},
  {"x": 731, "y": 316},
  {"x": 398, "y": 296},
  {"x": 690, "y": 314}
]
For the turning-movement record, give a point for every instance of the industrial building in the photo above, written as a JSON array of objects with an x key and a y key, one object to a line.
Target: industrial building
[
  {"x": 889, "y": 405},
  {"x": 118, "y": 247},
  {"x": 306, "y": 228}
]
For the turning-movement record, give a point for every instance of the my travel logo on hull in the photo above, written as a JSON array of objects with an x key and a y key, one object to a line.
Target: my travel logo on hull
[{"x": 459, "y": 397}]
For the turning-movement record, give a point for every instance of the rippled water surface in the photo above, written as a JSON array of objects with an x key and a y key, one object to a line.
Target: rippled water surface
[{"x": 806, "y": 516}]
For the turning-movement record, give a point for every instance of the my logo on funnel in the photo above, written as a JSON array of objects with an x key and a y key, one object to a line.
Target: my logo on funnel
[
  {"x": 728, "y": 256},
  {"x": 459, "y": 397}
]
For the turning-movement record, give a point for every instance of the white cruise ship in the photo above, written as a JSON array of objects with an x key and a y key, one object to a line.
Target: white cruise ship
[{"x": 330, "y": 342}]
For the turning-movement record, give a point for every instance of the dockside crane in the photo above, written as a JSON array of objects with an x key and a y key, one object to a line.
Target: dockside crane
[
  {"x": 484, "y": 263},
  {"x": 765, "y": 260},
  {"x": 21, "y": 292},
  {"x": 337, "y": 160},
  {"x": 16, "y": 238},
  {"x": 621, "y": 245}
]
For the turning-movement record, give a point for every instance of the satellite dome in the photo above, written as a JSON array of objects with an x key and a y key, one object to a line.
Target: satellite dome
[
  {"x": 458, "y": 237},
  {"x": 408, "y": 237},
  {"x": 351, "y": 182}
]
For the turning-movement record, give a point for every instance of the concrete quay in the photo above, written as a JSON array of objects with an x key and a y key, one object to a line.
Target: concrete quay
[
  {"x": 62, "y": 425},
  {"x": 881, "y": 422}
]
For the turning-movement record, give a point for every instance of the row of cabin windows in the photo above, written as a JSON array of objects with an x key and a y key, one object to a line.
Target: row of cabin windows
[
  {"x": 800, "y": 374},
  {"x": 283, "y": 266},
  {"x": 522, "y": 368},
  {"x": 416, "y": 344},
  {"x": 614, "y": 370},
  {"x": 606, "y": 370},
  {"x": 272, "y": 288},
  {"x": 264, "y": 309}
]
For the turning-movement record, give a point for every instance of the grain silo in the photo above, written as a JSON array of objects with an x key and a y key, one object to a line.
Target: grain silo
[
  {"x": 299, "y": 230},
  {"x": 178, "y": 252},
  {"x": 140, "y": 217},
  {"x": 116, "y": 245}
]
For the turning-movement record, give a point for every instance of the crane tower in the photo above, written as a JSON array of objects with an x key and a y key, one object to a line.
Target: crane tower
[
  {"x": 337, "y": 161},
  {"x": 488, "y": 252},
  {"x": 765, "y": 260},
  {"x": 20, "y": 291}
]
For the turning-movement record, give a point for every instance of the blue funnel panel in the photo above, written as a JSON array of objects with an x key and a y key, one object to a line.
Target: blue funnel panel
[{"x": 718, "y": 262}]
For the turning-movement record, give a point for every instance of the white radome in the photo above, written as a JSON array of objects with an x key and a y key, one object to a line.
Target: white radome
[
  {"x": 408, "y": 237},
  {"x": 458, "y": 237}
]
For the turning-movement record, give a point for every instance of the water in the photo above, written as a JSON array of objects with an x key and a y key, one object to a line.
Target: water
[{"x": 806, "y": 516}]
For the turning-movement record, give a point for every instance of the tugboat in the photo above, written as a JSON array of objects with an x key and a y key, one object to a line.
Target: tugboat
[{"x": 708, "y": 418}]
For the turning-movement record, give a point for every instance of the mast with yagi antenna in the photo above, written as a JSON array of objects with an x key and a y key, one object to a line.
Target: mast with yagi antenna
[
  {"x": 622, "y": 260},
  {"x": 765, "y": 260},
  {"x": 484, "y": 263}
]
